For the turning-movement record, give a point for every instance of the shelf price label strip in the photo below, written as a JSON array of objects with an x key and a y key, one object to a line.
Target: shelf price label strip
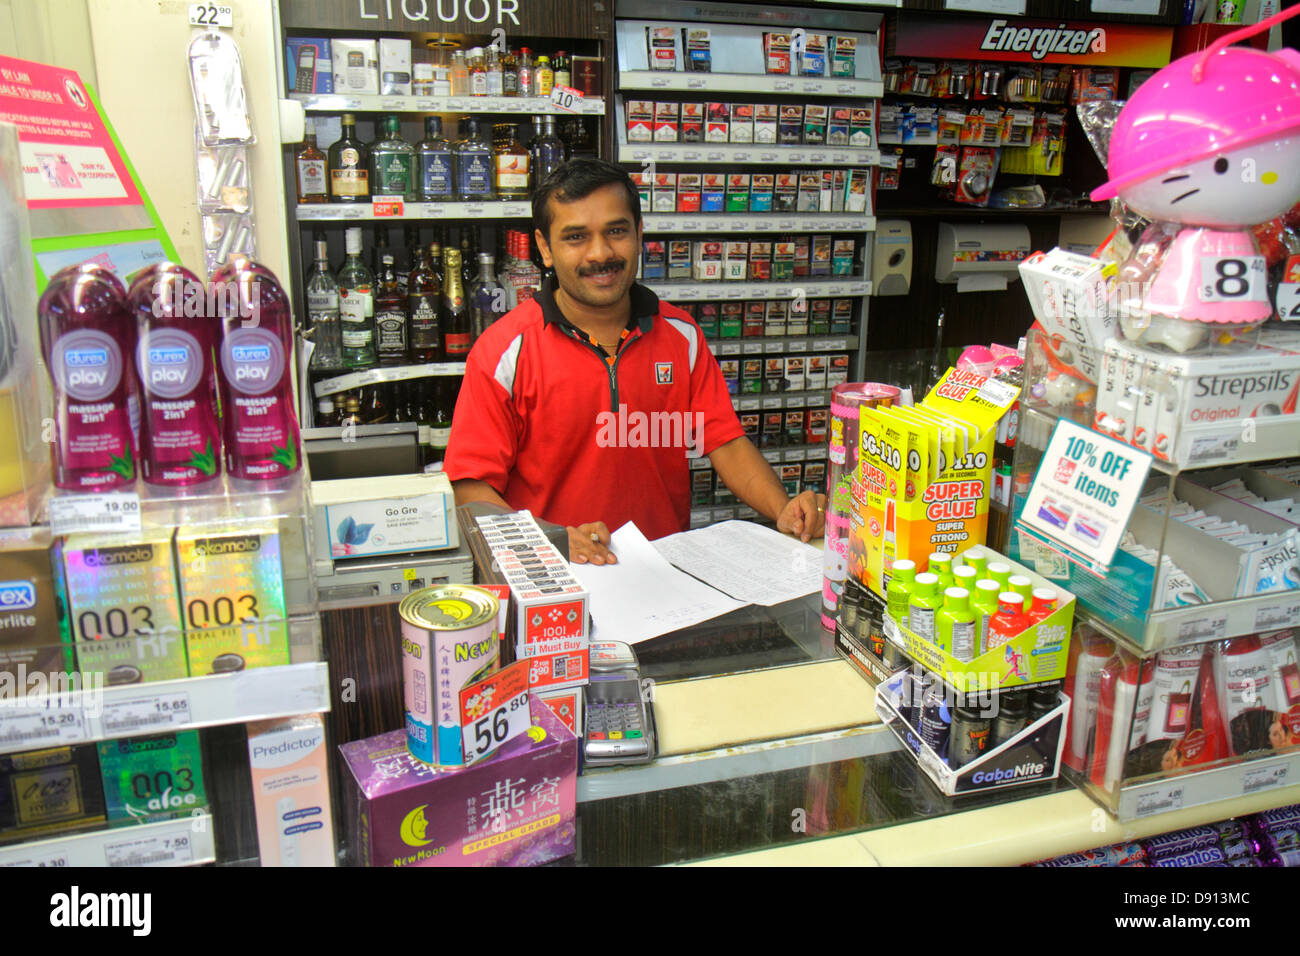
[{"x": 398, "y": 373}]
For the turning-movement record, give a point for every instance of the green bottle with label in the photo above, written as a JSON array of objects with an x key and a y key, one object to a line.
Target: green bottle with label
[
  {"x": 941, "y": 567},
  {"x": 899, "y": 590},
  {"x": 999, "y": 571},
  {"x": 1023, "y": 585},
  {"x": 923, "y": 605},
  {"x": 984, "y": 604},
  {"x": 955, "y": 627},
  {"x": 976, "y": 558}
]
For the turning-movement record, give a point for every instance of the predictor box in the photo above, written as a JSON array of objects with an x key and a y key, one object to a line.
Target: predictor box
[{"x": 515, "y": 808}]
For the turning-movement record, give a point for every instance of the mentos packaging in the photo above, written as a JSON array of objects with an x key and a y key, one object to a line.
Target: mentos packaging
[{"x": 1201, "y": 856}]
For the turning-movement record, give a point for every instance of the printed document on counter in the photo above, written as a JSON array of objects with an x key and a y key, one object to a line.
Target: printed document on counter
[{"x": 754, "y": 564}]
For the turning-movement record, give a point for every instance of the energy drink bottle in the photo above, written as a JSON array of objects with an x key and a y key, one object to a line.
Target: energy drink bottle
[
  {"x": 1009, "y": 621},
  {"x": 999, "y": 571},
  {"x": 935, "y": 720},
  {"x": 941, "y": 565},
  {"x": 899, "y": 592},
  {"x": 922, "y": 606},
  {"x": 1022, "y": 585},
  {"x": 976, "y": 558},
  {"x": 984, "y": 602},
  {"x": 955, "y": 625},
  {"x": 1045, "y": 600},
  {"x": 1012, "y": 709},
  {"x": 964, "y": 577},
  {"x": 849, "y": 606},
  {"x": 1042, "y": 701},
  {"x": 969, "y": 737}
]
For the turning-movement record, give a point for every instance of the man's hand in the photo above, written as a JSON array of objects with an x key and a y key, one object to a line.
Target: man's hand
[
  {"x": 590, "y": 543},
  {"x": 804, "y": 516}
]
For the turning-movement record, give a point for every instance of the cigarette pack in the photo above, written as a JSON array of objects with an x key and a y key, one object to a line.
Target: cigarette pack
[
  {"x": 755, "y": 315},
  {"x": 717, "y": 123},
  {"x": 859, "y": 190},
  {"x": 797, "y": 323},
  {"x": 713, "y": 192},
  {"x": 695, "y": 43},
  {"x": 814, "y": 124},
  {"x": 742, "y": 122},
  {"x": 664, "y": 196},
  {"x": 861, "y": 122},
  {"x": 738, "y": 192},
  {"x": 818, "y": 421},
  {"x": 843, "y": 59},
  {"x": 701, "y": 487},
  {"x": 841, "y": 316},
  {"x": 812, "y": 62},
  {"x": 732, "y": 323},
  {"x": 776, "y": 52},
  {"x": 679, "y": 259},
  {"x": 692, "y": 123},
  {"x": 802, "y": 256},
  {"x": 752, "y": 423},
  {"x": 356, "y": 67},
  {"x": 785, "y": 195},
  {"x": 394, "y": 67},
  {"x": 816, "y": 371},
  {"x": 640, "y": 121},
  {"x": 642, "y": 182},
  {"x": 838, "y": 372},
  {"x": 819, "y": 317},
  {"x": 709, "y": 320},
  {"x": 839, "y": 186},
  {"x": 731, "y": 375},
  {"x": 790, "y": 125},
  {"x": 842, "y": 259},
  {"x": 735, "y": 261},
  {"x": 792, "y": 477},
  {"x": 760, "y": 260},
  {"x": 751, "y": 376},
  {"x": 652, "y": 259},
  {"x": 760, "y": 192},
  {"x": 810, "y": 192},
  {"x": 666, "y": 122},
  {"x": 838, "y": 126},
  {"x": 778, "y": 314},
  {"x": 824, "y": 199},
  {"x": 795, "y": 418},
  {"x": 708, "y": 262},
  {"x": 794, "y": 375},
  {"x": 771, "y": 424},
  {"x": 688, "y": 192},
  {"x": 782, "y": 261},
  {"x": 767, "y": 118},
  {"x": 661, "y": 46}
]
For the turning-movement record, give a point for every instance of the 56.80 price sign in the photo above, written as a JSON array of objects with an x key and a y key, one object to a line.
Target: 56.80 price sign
[{"x": 495, "y": 711}]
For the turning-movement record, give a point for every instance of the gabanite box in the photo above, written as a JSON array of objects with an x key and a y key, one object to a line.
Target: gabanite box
[{"x": 516, "y": 808}]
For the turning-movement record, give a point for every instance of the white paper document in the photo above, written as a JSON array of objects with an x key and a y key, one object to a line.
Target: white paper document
[
  {"x": 754, "y": 564},
  {"x": 643, "y": 596}
]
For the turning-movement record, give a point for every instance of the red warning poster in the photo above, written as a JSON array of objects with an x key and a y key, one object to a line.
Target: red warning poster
[{"x": 68, "y": 157}]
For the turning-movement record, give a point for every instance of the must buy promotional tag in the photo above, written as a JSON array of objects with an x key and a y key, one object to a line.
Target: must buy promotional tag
[{"x": 1084, "y": 492}]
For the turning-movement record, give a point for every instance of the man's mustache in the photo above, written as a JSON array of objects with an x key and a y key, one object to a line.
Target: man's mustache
[{"x": 603, "y": 267}]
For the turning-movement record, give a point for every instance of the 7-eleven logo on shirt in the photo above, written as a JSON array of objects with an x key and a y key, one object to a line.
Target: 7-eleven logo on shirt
[{"x": 664, "y": 373}]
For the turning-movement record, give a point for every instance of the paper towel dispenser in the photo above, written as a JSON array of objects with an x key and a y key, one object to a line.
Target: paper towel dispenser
[{"x": 980, "y": 257}]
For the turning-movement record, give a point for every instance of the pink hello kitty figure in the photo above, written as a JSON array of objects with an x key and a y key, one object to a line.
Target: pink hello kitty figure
[{"x": 1205, "y": 149}]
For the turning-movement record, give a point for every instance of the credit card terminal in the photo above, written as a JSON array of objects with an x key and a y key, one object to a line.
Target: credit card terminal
[{"x": 620, "y": 725}]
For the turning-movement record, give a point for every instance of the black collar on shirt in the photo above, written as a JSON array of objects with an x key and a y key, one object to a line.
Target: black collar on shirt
[{"x": 645, "y": 306}]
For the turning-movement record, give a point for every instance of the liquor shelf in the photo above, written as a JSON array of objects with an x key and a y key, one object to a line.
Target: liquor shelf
[
  {"x": 526, "y": 105},
  {"x": 711, "y": 291},
  {"x": 751, "y": 83},
  {"x": 720, "y": 154},
  {"x": 401, "y": 209},
  {"x": 395, "y": 373},
  {"x": 759, "y": 222},
  {"x": 188, "y": 841},
  {"x": 763, "y": 345}
]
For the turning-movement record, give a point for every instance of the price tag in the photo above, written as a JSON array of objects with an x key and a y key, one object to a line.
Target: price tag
[
  {"x": 145, "y": 713},
  {"x": 835, "y": 290},
  {"x": 659, "y": 83},
  {"x": 1263, "y": 778},
  {"x": 696, "y": 83},
  {"x": 115, "y": 511},
  {"x": 458, "y": 104},
  {"x": 785, "y": 224},
  {"x": 814, "y": 86},
  {"x": 386, "y": 208},
  {"x": 53, "y": 859},
  {"x": 736, "y": 293},
  {"x": 728, "y": 348},
  {"x": 716, "y": 157},
  {"x": 819, "y": 158},
  {"x": 432, "y": 210},
  {"x": 767, "y": 157},
  {"x": 845, "y": 89},
  {"x": 1202, "y": 629},
  {"x": 771, "y": 405},
  {"x": 750, "y": 404},
  {"x": 396, "y": 103},
  {"x": 797, "y": 345},
  {"x": 1277, "y": 616},
  {"x": 1288, "y": 301},
  {"x": 517, "y": 210},
  {"x": 821, "y": 345},
  {"x": 41, "y": 723},
  {"x": 774, "y": 347},
  {"x": 317, "y": 211},
  {"x": 773, "y": 457},
  {"x": 796, "y": 401},
  {"x": 796, "y": 156},
  {"x": 796, "y": 454},
  {"x": 688, "y": 292},
  {"x": 211, "y": 15},
  {"x": 159, "y": 849},
  {"x": 495, "y": 710},
  {"x": 566, "y": 98},
  {"x": 423, "y": 105},
  {"x": 783, "y": 86},
  {"x": 1229, "y": 279},
  {"x": 759, "y": 225},
  {"x": 837, "y": 345},
  {"x": 666, "y": 225},
  {"x": 1163, "y": 800},
  {"x": 692, "y": 225},
  {"x": 475, "y": 210},
  {"x": 514, "y": 105},
  {"x": 1084, "y": 491},
  {"x": 751, "y": 348},
  {"x": 691, "y": 155}
]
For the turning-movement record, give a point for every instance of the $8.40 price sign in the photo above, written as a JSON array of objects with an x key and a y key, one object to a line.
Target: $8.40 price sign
[{"x": 495, "y": 710}]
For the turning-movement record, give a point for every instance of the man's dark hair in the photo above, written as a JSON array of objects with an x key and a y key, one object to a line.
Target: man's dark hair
[{"x": 577, "y": 179}]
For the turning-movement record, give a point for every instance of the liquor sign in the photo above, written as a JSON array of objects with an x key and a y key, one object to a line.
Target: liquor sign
[
  {"x": 1001, "y": 39},
  {"x": 532, "y": 18}
]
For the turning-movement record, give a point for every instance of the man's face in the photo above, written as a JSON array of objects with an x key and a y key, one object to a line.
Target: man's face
[{"x": 593, "y": 246}]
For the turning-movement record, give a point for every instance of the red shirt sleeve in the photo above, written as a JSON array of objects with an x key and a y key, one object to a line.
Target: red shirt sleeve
[
  {"x": 485, "y": 428},
  {"x": 709, "y": 397}
]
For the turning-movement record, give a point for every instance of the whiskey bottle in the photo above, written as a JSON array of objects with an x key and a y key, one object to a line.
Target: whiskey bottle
[
  {"x": 356, "y": 306},
  {"x": 433, "y": 156},
  {"x": 512, "y": 162},
  {"x": 310, "y": 164},
  {"x": 392, "y": 163},
  {"x": 423, "y": 298},
  {"x": 390, "y": 316},
  {"x": 349, "y": 165}
]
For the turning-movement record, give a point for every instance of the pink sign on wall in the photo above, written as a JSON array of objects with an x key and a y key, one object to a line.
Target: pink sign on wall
[{"x": 68, "y": 157}]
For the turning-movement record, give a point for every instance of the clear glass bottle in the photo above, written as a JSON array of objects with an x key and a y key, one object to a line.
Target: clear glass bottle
[
  {"x": 548, "y": 151},
  {"x": 441, "y": 69},
  {"x": 487, "y": 296},
  {"x": 423, "y": 300},
  {"x": 580, "y": 143},
  {"x": 492, "y": 66},
  {"x": 524, "y": 277},
  {"x": 468, "y": 252},
  {"x": 392, "y": 163},
  {"x": 544, "y": 76},
  {"x": 563, "y": 72},
  {"x": 477, "y": 72},
  {"x": 526, "y": 85},
  {"x": 323, "y": 311},
  {"x": 349, "y": 165},
  {"x": 459, "y": 74},
  {"x": 433, "y": 160},
  {"x": 474, "y": 179},
  {"x": 444, "y": 406},
  {"x": 356, "y": 305},
  {"x": 390, "y": 316},
  {"x": 534, "y": 133},
  {"x": 375, "y": 406},
  {"x": 310, "y": 164},
  {"x": 457, "y": 329},
  {"x": 511, "y": 164},
  {"x": 509, "y": 73}
]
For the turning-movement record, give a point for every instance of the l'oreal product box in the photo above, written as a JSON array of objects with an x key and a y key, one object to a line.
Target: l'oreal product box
[
  {"x": 652, "y": 259},
  {"x": 394, "y": 67},
  {"x": 688, "y": 192},
  {"x": 667, "y": 117},
  {"x": 308, "y": 65},
  {"x": 742, "y": 122},
  {"x": 232, "y": 589},
  {"x": 695, "y": 46},
  {"x": 515, "y": 808},
  {"x": 291, "y": 790},
  {"x": 692, "y": 123},
  {"x": 708, "y": 262},
  {"x": 735, "y": 261},
  {"x": 43, "y": 792},
  {"x": 124, "y": 607},
  {"x": 760, "y": 192},
  {"x": 30, "y": 638},
  {"x": 760, "y": 260},
  {"x": 664, "y": 195},
  {"x": 356, "y": 67},
  {"x": 661, "y": 47},
  {"x": 1030, "y": 756},
  {"x": 776, "y": 53},
  {"x": 713, "y": 192},
  {"x": 790, "y": 125},
  {"x": 679, "y": 259},
  {"x": 148, "y": 779},
  {"x": 767, "y": 117},
  {"x": 640, "y": 121},
  {"x": 717, "y": 123},
  {"x": 365, "y": 517},
  {"x": 1070, "y": 295}
]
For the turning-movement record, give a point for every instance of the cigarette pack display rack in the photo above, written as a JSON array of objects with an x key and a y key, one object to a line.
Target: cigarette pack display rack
[{"x": 1182, "y": 670}]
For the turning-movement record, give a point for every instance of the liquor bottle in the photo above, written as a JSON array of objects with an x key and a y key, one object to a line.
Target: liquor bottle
[
  {"x": 580, "y": 143},
  {"x": 390, "y": 316},
  {"x": 492, "y": 67},
  {"x": 379, "y": 250},
  {"x": 435, "y": 262},
  {"x": 441, "y": 68},
  {"x": 375, "y": 408},
  {"x": 544, "y": 76},
  {"x": 563, "y": 73},
  {"x": 487, "y": 296},
  {"x": 349, "y": 165},
  {"x": 310, "y": 164},
  {"x": 351, "y": 409},
  {"x": 477, "y": 72},
  {"x": 323, "y": 310},
  {"x": 405, "y": 260},
  {"x": 459, "y": 74},
  {"x": 457, "y": 333},
  {"x": 326, "y": 415},
  {"x": 468, "y": 240},
  {"x": 534, "y": 134},
  {"x": 509, "y": 73},
  {"x": 392, "y": 163},
  {"x": 423, "y": 297},
  {"x": 424, "y": 417},
  {"x": 526, "y": 86},
  {"x": 524, "y": 278},
  {"x": 512, "y": 162},
  {"x": 548, "y": 151},
  {"x": 444, "y": 405},
  {"x": 473, "y": 166},
  {"x": 433, "y": 159},
  {"x": 356, "y": 305}
]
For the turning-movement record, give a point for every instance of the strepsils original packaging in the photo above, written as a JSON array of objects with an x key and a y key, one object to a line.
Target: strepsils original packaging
[{"x": 232, "y": 592}]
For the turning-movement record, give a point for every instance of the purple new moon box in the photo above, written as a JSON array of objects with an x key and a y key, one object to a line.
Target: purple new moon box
[{"x": 516, "y": 808}]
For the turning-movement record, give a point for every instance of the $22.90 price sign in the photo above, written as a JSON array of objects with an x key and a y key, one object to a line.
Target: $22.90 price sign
[{"x": 495, "y": 710}]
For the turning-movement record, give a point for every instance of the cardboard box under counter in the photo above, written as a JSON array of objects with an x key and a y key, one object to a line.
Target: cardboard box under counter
[{"x": 515, "y": 808}]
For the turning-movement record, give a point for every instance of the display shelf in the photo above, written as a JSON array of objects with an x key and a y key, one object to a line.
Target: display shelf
[
  {"x": 761, "y": 345},
  {"x": 525, "y": 105},
  {"x": 1198, "y": 623},
  {"x": 718, "y": 291},
  {"x": 400, "y": 209},
  {"x": 725, "y": 154},
  {"x": 776, "y": 456},
  {"x": 770, "y": 403},
  {"x": 758, "y": 222},
  {"x": 394, "y": 373},
  {"x": 189, "y": 841},
  {"x": 751, "y": 83},
  {"x": 106, "y": 713}
]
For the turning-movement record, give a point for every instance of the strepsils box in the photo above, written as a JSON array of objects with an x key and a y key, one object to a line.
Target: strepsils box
[{"x": 1070, "y": 295}]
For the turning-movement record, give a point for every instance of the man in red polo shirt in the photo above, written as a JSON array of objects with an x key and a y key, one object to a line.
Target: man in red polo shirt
[{"x": 585, "y": 403}]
